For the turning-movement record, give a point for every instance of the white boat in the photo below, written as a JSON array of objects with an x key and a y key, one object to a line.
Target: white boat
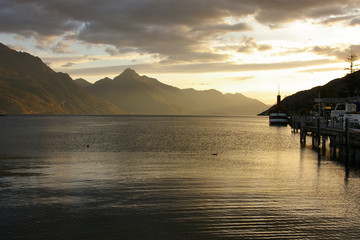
[
  {"x": 345, "y": 111},
  {"x": 278, "y": 116}
]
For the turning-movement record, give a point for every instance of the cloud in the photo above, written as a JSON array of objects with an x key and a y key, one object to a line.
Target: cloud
[
  {"x": 31, "y": 18},
  {"x": 195, "y": 57},
  {"x": 240, "y": 79},
  {"x": 61, "y": 47},
  {"x": 355, "y": 21},
  {"x": 112, "y": 51},
  {"x": 68, "y": 65},
  {"x": 339, "y": 52},
  {"x": 328, "y": 69},
  {"x": 65, "y": 61},
  {"x": 249, "y": 45},
  {"x": 334, "y": 20},
  {"x": 176, "y": 30},
  {"x": 221, "y": 28},
  {"x": 274, "y": 13},
  {"x": 264, "y": 47},
  {"x": 196, "y": 68},
  {"x": 18, "y": 48}
]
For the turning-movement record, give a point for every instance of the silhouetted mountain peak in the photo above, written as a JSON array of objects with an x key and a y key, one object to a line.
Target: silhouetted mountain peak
[
  {"x": 105, "y": 79},
  {"x": 132, "y": 79},
  {"x": 82, "y": 82},
  {"x": 212, "y": 91},
  {"x": 128, "y": 74}
]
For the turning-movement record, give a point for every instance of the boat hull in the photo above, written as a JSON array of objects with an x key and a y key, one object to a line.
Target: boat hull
[{"x": 278, "y": 119}]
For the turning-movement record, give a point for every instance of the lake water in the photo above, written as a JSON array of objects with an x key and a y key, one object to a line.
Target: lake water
[{"x": 149, "y": 177}]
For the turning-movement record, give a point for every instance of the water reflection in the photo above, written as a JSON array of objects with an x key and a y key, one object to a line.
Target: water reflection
[{"x": 155, "y": 178}]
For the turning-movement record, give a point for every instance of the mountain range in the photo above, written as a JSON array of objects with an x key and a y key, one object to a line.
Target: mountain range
[
  {"x": 137, "y": 94},
  {"x": 29, "y": 86}
]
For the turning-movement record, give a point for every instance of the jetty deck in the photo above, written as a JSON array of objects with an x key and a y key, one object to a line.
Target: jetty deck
[{"x": 342, "y": 138}]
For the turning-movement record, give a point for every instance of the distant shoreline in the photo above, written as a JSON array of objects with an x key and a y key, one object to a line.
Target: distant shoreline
[{"x": 124, "y": 115}]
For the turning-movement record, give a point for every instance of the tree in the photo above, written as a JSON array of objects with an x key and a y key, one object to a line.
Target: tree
[{"x": 351, "y": 59}]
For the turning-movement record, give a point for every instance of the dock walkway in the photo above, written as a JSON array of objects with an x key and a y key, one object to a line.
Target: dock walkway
[{"x": 340, "y": 137}]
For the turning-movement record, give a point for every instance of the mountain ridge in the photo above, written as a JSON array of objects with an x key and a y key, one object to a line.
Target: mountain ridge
[
  {"x": 145, "y": 95},
  {"x": 29, "y": 86}
]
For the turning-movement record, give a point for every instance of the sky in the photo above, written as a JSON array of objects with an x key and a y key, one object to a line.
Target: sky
[{"x": 246, "y": 46}]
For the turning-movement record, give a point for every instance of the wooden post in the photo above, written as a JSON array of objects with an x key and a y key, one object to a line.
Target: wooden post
[
  {"x": 318, "y": 132},
  {"x": 333, "y": 146},
  {"x": 302, "y": 134},
  {"x": 347, "y": 142},
  {"x": 347, "y": 132},
  {"x": 323, "y": 145}
]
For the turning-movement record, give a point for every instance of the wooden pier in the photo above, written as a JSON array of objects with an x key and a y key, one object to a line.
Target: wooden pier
[{"x": 342, "y": 140}]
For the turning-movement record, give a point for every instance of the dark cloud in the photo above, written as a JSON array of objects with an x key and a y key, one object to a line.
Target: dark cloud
[
  {"x": 173, "y": 29},
  {"x": 334, "y": 20},
  {"x": 29, "y": 18},
  {"x": 112, "y": 51},
  {"x": 221, "y": 28},
  {"x": 339, "y": 53},
  {"x": 275, "y": 13}
]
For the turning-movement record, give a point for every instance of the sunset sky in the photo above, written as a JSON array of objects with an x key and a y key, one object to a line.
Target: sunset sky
[{"x": 247, "y": 46}]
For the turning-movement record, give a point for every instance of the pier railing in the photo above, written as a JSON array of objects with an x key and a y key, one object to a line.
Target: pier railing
[{"x": 325, "y": 122}]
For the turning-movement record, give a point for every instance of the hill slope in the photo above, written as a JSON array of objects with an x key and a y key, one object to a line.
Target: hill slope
[
  {"x": 29, "y": 86},
  {"x": 143, "y": 95},
  {"x": 303, "y": 101}
]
